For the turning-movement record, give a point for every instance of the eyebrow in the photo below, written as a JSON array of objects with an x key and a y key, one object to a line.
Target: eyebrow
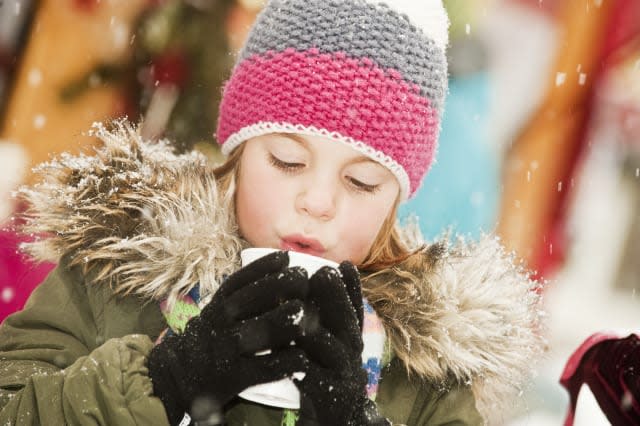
[
  {"x": 359, "y": 159},
  {"x": 295, "y": 137}
]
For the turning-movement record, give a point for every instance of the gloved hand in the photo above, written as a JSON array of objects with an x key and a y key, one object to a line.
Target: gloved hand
[
  {"x": 333, "y": 391},
  {"x": 256, "y": 308}
]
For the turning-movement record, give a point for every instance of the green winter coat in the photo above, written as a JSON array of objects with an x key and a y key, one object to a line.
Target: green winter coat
[
  {"x": 76, "y": 354},
  {"x": 135, "y": 224}
]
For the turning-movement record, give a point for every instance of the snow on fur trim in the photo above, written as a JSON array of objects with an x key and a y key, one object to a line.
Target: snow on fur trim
[
  {"x": 464, "y": 312},
  {"x": 136, "y": 215}
]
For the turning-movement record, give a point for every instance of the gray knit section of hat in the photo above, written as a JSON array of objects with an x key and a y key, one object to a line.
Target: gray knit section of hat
[{"x": 360, "y": 30}]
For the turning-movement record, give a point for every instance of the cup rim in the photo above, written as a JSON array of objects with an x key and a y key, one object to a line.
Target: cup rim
[{"x": 292, "y": 254}]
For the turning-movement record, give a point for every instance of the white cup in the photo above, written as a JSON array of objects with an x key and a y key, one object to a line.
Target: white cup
[{"x": 282, "y": 393}]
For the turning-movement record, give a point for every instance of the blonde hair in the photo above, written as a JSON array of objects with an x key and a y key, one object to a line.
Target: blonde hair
[{"x": 387, "y": 248}]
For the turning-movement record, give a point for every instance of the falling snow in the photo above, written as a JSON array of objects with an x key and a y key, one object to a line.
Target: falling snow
[
  {"x": 297, "y": 318},
  {"x": 119, "y": 32},
  {"x": 7, "y": 295},
  {"x": 582, "y": 79},
  {"x": 35, "y": 77},
  {"x": 39, "y": 121}
]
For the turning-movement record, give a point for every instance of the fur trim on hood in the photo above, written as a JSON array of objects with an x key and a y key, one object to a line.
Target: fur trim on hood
[
  {"x": 464, "y": 313},
  {"x": 135, "y": 215},
  {"x": 149, "y": 222}
]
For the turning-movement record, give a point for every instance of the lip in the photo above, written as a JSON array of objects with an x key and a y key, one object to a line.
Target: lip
[{"x": 302, "y": 244}]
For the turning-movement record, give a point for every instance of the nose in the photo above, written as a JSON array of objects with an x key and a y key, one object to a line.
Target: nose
[{"x": 317, "y": 200}]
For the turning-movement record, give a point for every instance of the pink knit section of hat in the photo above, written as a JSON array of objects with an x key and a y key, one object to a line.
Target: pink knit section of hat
[{"x": 331, "y": 91}]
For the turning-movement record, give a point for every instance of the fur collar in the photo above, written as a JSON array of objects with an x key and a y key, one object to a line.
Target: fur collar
[{"x": 149, "y": 222}]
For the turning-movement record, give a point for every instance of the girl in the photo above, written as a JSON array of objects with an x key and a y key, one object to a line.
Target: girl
[{"x": 330, "y": 119}]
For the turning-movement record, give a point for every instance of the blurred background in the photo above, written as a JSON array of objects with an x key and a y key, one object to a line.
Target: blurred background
[{"x": 540, "y": 140}]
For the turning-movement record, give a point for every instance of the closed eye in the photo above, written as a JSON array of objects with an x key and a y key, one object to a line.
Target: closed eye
[
  {"x": 283, "y": 165},
  {"x": 361, "y": 186}
]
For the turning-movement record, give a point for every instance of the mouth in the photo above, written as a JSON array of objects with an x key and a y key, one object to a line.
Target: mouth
[{"x": 302, "y": 244}]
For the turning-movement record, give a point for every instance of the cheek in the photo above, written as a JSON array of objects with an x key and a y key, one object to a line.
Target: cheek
[
  {"x": 360, "y": 229},
  {"x": 256, "y": 207}
]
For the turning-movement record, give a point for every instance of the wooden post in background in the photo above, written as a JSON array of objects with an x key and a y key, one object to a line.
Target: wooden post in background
[
  {"x": 67, "y": 38},
  {"x": 538, "y": 167}
]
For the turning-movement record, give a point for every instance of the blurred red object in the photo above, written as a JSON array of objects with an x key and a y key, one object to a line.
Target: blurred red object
[
  {"x": 595, "y": 37},
  {"x": 610, "y": 365},
  {"x": 86, "y": 5},
  {"x": 171, "y": 67},
  {"x": 19, "y": 275}
]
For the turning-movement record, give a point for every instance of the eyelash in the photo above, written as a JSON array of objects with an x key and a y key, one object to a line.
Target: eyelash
[
  {"x": 363, "y": 187},
  {"x": 283, "y": 165},
  {"x": 356, "y": 185}
]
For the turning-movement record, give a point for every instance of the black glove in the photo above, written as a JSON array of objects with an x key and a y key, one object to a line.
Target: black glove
[
  {"x": 214, "y": 359},
  {"x": 333, "y": 391}
]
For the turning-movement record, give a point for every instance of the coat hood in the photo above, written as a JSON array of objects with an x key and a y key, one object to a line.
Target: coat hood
[{"x": 149, "y": 222}]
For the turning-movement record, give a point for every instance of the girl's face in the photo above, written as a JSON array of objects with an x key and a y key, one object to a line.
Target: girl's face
[{"x": 312, "y": 195}]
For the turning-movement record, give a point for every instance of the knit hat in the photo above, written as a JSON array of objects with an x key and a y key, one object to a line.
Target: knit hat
[{"x": 370, "y": 74}]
